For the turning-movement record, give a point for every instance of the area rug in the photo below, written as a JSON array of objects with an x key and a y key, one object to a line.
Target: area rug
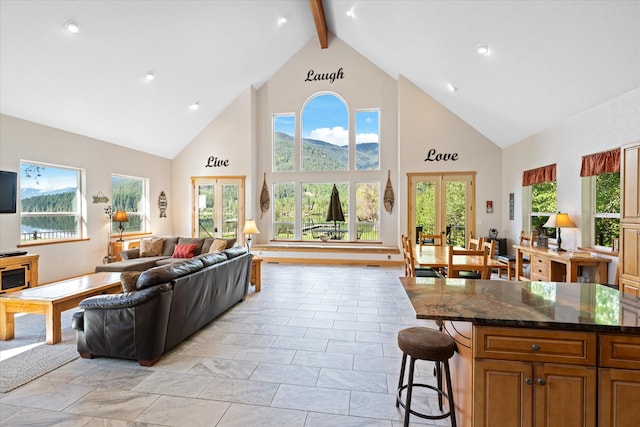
[{"x": 27, "y": 356}]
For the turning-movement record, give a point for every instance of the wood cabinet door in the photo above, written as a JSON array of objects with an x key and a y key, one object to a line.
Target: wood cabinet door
[
  {"x": 503, "y": 393},
  {"x": 630, "y": 178},
  {"x": 630, "y": 254},
  {"x": 618, "y": 398},
  {"x": 564, "y": 395}
]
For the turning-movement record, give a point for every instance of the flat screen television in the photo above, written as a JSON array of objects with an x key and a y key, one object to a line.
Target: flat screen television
[{"x": 8, "y": 191}]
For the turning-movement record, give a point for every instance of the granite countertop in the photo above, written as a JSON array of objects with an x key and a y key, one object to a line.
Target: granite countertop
[{"x": 556, "y": 305}]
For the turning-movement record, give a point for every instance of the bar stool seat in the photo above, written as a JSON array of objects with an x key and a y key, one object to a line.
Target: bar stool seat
[{"x": 425, "y": 344}]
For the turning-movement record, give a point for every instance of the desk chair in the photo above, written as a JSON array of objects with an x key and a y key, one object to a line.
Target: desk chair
[
  {"x": 460, "y": 271},
  {"x": 410, "y": 269},
  {"x": 510, "y": 260}
]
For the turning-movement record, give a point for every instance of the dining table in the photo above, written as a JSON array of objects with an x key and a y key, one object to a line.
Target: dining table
[{"x": 437, "y": 257}]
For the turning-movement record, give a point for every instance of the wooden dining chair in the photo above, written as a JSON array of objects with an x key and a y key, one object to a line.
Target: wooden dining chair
[
  {"x": 475, "y": 244},
  {"x": 410, "y": 269},
  {"x": 462, "y": 271},
  {"x": 490, "y": 247},
  {"x": 425, "y": 239},
  {"x": 526, "y": 239}
]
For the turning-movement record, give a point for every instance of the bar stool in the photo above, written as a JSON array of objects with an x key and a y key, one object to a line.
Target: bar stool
[{"x": 425, "y": 344}]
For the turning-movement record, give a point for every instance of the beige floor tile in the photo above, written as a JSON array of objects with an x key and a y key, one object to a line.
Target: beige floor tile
[
  {"x": 180, "y": 411},
  {"x": 315, "y": 399},
  {"x": 240, "y": 415},
  {"x": 46, "y": 395}
]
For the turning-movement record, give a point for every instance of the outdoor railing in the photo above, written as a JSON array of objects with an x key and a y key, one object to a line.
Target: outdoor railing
[
  {"x": 365, "y": 231},
  {"x": 54, "y": 234}
]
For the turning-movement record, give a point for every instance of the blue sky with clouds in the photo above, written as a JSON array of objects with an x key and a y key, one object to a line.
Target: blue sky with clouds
[
  {"x": 325, "y": 118},
  {"x": 51, "y": 178}
]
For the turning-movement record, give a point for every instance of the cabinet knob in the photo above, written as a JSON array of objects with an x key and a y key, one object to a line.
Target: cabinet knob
[
  {"x": 528, "y": 381},
  {"x": 541, "y": 381},
  {"x": 535, "y": 347}
]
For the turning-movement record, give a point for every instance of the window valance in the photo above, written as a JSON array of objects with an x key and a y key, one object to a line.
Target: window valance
[
  {"x": 599, "y": 163},
  {"x": 539, "y": 175}
]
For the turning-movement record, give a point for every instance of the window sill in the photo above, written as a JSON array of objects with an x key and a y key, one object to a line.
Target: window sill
[
  {"x": 50, "y": 242},
  {"x": 599, "y": 251}
]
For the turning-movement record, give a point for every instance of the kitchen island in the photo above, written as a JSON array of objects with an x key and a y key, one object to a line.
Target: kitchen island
[{"x": 537, "y": 353}]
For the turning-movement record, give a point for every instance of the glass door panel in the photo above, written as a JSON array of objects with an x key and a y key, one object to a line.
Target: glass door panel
[
  {"x": 218, "y": 207},
  {"x": 442, "y": 204}
]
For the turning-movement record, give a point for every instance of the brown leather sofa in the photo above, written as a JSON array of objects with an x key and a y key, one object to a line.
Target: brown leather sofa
[{"x": 171, "y": 302}]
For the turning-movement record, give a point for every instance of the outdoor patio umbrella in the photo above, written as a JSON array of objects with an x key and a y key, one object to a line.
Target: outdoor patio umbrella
[{"x": 335, "y": 208}]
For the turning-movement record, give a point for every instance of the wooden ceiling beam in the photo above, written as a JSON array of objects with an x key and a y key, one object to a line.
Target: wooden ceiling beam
[{"x": 321, "y": 24}]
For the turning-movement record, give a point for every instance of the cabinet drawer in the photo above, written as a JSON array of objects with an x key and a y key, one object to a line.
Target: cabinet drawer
[
  {"x": 630, "y": 290},
  {"x": 536, "y": 345},
  {"x": 537, "y": 260},
  {"x": 540, "y": 277},
  {"x": 620, "y": 351}
]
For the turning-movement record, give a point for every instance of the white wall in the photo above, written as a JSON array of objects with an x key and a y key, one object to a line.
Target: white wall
[
  {"x": 610, "y": 125},
  {"x": 24, "y": 140},
  {"x": 231, "y": 136},
  {"x": 424, "y": 125}
]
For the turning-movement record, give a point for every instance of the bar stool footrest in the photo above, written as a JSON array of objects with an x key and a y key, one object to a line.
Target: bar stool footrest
[{"x": 418, "y": 414}]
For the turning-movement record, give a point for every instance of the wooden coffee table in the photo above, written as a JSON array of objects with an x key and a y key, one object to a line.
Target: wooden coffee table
[{"x": 52, "y": 299}]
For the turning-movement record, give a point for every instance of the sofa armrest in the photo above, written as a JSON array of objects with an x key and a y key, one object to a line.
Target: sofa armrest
[
  {"x": 130, "y": 253},
  {"x": 123, "y": 300}
]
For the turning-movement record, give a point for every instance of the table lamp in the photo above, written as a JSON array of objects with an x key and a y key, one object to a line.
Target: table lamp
[
  {"x": 120, "y": 216},
  {"x": 248, "y": 229},
  {"x": 559, "y": 221}
]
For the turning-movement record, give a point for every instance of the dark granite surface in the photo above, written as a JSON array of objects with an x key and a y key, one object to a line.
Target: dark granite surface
[{"x": 574, "y": 306}]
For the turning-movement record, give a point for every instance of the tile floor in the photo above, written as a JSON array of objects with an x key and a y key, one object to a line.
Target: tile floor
[{"x": 317, "y": 347}]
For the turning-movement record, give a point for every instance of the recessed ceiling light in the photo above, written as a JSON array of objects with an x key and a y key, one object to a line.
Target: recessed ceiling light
[
  {"x": 483, "y": 49},
  {"x": 194, "y": 106},
  {"x": 150, "y": 76},
  {"x": 72, "y": 27},
  {"x": 452, "y": 88},
  {"x": 351, "y": 13},
  {"x": 282, "y": 20}
]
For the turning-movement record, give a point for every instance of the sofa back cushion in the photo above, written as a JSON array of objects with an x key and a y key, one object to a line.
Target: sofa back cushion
[
  {"x": 169, "y": 245},
  {"x": 211, "y": 259},
  {"x": 167, "y": 273},
  {"x": 234, "y": 252}
]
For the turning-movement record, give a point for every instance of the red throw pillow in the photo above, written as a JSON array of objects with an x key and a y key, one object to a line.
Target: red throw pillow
[{"x": 184, "y": 251}]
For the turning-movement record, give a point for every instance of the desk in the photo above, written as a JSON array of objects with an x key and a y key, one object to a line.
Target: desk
[
  {"x": 551, "y": 266},
  {"x": 437, "y": 257}
]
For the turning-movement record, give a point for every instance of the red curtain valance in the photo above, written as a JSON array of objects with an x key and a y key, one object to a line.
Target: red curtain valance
[
  {"x": 539, "y": 175},
  {"x": 596, "y": 164}
]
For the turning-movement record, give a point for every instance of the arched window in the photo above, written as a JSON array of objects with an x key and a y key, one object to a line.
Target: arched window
[{"x": 308, "y": 166}]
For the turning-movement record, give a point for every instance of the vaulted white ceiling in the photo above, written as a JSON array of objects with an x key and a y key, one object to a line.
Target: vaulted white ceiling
[{"x": 548, "y": 60}]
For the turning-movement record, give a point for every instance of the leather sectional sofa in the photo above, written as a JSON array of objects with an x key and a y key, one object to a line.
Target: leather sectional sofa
[{"x": 170, "y": 303}]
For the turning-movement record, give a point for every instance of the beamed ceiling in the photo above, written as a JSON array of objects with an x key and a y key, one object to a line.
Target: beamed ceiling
[{"x": 548, "y": 60}]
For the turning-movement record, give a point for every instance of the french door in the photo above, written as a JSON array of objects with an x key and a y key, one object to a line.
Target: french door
[
  {"x": 442, "y": 203},
  {"x": 218, "y": 206}
]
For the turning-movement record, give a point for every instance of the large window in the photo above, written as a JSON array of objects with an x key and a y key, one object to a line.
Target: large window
[
  {"x": 51, "y": 202},
  {"x": 543, "y": 205},
  {"x": 326, "y": 153},
  {"x": 600, "y": 173},
  {"x": 130, "y": 195}
]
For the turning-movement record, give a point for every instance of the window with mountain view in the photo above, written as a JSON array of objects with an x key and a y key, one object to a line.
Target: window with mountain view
[
  {"x": 50, "y": 202},
  {"x": 367, "y": 135},
  {"x": 130, "y": 195},
  {"x": 327, "y": 155},
  {"x": 325, "y": 134},
  {"x": 283, "y": 145}
]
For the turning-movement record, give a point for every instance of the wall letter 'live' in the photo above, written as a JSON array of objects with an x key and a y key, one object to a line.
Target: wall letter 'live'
[
  {"x": 214, "y": 162},
  {"x": 433, "y": 156}
]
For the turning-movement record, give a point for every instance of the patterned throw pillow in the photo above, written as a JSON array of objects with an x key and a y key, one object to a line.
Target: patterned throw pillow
[
  {"x": 129, "y": 280},
  {"x": 184, "y": 251},
  {"x": 218, "y": 245},
  {"x": 151, "y": 247}
]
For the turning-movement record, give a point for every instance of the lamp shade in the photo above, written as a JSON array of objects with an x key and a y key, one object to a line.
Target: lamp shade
[
  {"x": 250, "y": 227},
  {"x": 120, "y": 216},
  {"x": 559, "y": 220}
]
